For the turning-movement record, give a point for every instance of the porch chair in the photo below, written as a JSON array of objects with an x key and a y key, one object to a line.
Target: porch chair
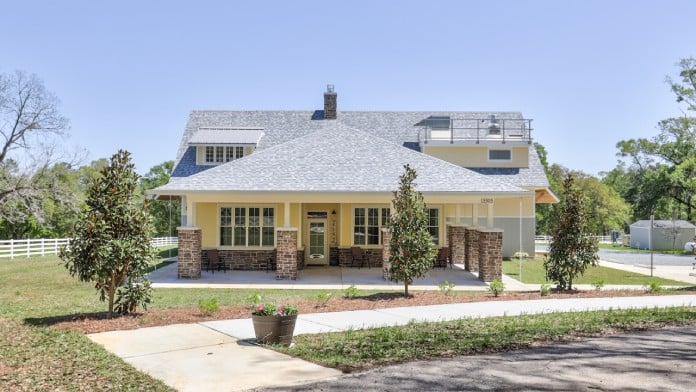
[
  {"x": 271, "y": 263},
  {"x": 443, "y": 258},
  {"x": 358, "y": 257},
  {"x": 214, "y": 261}
]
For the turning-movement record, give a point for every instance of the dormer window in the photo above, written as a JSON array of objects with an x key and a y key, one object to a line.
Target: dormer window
[
  {"x": 222, "y": 154},
  {"x": 217, "y": 145}
]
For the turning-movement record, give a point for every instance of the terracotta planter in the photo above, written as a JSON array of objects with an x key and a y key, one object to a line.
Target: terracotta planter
[{"x": 274, "y": 329}]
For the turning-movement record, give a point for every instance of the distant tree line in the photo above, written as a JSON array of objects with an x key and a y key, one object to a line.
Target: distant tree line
[
  {"x": 653, "y": 176},
  {"x": 43, "y": 186}
]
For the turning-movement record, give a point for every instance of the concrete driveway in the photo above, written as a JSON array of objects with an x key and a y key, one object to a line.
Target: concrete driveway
[{"x": 662, "y": 360}]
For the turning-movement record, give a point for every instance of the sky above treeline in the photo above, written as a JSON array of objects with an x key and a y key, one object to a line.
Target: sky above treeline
[{"x": 589, "y": 73}]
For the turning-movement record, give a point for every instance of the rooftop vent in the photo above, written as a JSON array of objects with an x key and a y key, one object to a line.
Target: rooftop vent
[{"x": 493, "y": 127}]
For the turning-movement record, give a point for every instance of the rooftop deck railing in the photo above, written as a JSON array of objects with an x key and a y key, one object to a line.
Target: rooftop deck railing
[{"x": 477, "y": 130}]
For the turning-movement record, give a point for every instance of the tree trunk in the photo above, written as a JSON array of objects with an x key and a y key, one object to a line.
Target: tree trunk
[
  {"x": 111, "y": 297},
  {"x": 405, "y": 289}
]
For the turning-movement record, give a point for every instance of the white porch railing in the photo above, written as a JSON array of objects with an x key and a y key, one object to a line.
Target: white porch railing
[{"x": 46, "y": 246}]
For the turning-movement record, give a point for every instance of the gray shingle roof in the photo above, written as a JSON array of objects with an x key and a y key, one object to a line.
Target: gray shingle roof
[
  {"x": 338, "y": 158},
  {"x": 226, "y": 136},
  {"x": 397, "y": 127}
]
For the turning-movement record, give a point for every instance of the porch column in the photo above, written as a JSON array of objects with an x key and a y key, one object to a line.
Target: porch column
[
  {"x": 386, "y": 253},
  {"x": 489, "y": 216},
  {"x": 471, "y": 256},
  {"x": 474, "y": 214},
  {"x": 490, "y": 254},
  {"x": 184, "y": 221},
  {"x": 189, "y": 265},
  {"x": 458, "y": 214},
  {"x": 286, "y": 216},
  {"x": 286, "y": 253},
  {"x": 457, "y": 243}
]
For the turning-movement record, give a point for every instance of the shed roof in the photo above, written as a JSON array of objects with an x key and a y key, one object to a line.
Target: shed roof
[{"x": 664, "y": 224}]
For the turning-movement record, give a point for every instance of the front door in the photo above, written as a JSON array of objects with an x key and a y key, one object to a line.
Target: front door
[{"x": 318, "y": 249}]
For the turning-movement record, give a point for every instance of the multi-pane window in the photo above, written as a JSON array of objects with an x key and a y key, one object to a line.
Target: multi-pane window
[
  {"x": 434, "y": 224},
  {"x": 247, "y": 226},
  {"x": 368, "y": 223},
  {"x": 499, "y": 155},
  {"x": 221, "y": 154}
]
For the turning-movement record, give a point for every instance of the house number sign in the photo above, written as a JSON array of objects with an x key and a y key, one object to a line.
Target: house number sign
[{"x": 486, "y": 200}]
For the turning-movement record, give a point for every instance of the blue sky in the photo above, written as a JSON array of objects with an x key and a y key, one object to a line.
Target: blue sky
[{"x": 590, "y": 73}]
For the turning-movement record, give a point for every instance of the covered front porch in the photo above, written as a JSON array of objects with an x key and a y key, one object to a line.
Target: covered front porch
[{"x": 318, "y": 277}]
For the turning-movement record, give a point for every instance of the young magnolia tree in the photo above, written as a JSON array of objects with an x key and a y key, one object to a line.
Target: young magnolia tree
[
  {"x": 572, "y": 248},
  {"x": 411, "y": 245},
  {"x": 111, "y": 245}
]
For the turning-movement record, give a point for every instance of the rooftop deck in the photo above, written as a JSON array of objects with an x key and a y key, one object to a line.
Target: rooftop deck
[{"x": 446, "y": 130}]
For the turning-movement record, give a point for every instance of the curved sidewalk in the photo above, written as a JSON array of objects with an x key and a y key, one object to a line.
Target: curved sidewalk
[{"x": 215, "y": 356}]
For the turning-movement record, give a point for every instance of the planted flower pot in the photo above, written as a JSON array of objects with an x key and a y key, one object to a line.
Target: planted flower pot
[{"x": 274, "y": 329}]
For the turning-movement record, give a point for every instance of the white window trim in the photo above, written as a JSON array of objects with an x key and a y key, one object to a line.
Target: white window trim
[
  {"x": 439, "y": 222},
  {"x": 352, "y": 224},
  {"x": 247, "y": 206},
  {"x": 499, "y": 149},
  {"x": 203, "y": 158}
]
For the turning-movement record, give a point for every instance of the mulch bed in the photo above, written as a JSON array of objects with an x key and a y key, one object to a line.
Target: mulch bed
[{"x": 98, "y": 322}]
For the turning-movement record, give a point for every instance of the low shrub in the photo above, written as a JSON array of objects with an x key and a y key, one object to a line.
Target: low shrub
[
  {"x": 208, "y": 306},
  {"x": 598, "y": 284},
  {"x": 446, "y": 287},
  {"x": 652, "y": 286},
  {"x": 496, "y": 287},
  {"x": 350, "y": 292},
  {"x": 323, "y": 298},
  {"x": 545, "y": 290}
]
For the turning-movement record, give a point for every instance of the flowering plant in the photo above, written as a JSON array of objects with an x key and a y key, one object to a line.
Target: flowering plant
[{"x": 270, "y": 309}]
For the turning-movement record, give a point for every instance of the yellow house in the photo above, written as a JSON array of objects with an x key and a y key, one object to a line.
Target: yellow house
[{"x": 307, "y": 187}]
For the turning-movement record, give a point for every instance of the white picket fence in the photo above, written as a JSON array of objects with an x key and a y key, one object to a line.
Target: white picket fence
[
  {"x": 46, "y": 246},
  {"x": 545, "y": 239}
]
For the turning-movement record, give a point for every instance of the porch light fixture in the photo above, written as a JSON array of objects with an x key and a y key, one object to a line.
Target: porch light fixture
[{"x": 333, "y": 212}]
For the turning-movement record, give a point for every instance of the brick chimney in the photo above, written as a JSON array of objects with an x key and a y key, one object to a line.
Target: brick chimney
[{"x": 330, "y": 103}]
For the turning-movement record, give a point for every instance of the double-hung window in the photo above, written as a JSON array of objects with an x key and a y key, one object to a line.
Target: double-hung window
[
  {"x": 247, "y": 226},
  {"x": 434, "y": 224},
  {"x": 368, "y": 223}
]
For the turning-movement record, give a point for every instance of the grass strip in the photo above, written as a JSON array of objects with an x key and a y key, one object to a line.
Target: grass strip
[
  {"x": 360, "y": 349},
  {"x": 533, "y": 272}
]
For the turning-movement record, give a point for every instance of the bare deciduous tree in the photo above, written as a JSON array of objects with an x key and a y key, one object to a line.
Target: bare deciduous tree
[{"x": 29, "y": 126}]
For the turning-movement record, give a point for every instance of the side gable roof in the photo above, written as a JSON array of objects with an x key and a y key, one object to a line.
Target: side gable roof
[{"x": 336, "y": 159}]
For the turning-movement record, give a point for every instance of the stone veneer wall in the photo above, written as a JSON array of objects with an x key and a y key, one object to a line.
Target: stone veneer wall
[
  {"x": 456, "y": 239},
  {"x": 386, "y": 253},
  {"x": 471, "y": 259},
  {"x": 286, "y": 253},
  {"x": 189, "y": 265},
  {"x": 242, "y": 259},
  {"x": 490, "y": 254},
  {"x": 374, "y": 254}
]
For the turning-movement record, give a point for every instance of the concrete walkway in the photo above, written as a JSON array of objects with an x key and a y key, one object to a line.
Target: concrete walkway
[{"x": 214, "y": 356}]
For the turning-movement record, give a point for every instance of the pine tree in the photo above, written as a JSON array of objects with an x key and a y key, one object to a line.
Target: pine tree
[
  {"x": 111, "y": 245},
  {"x": 411, "y": 245},
  {"x": 572, "y": 247}
]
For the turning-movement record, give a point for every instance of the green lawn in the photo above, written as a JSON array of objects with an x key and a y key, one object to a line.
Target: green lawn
[
  {"x": 356, "y": 350},
  {"x": 533, "y": 272},
  {"x": 33, "y": 356}
]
